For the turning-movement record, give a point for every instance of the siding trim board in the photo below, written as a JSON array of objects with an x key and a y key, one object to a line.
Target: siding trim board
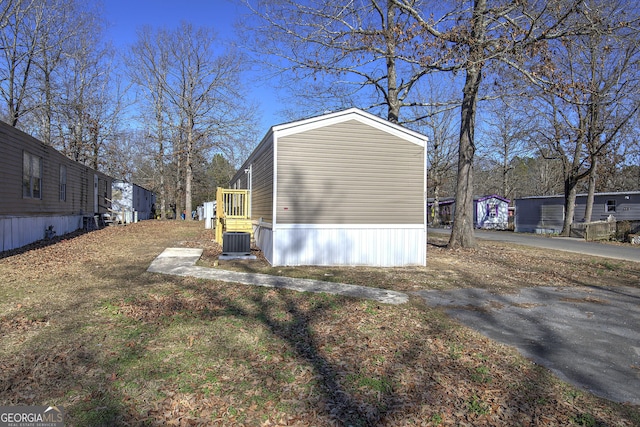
[
  {"x": 363, "y": 117},
  {"x": 274, "y": 182},
  {"x": 349, "y": 226}
]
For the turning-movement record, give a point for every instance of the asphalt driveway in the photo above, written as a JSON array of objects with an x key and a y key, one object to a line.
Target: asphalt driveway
[
  {"x": 568, "y": 244},
  {"x": 588, "y": 336}
]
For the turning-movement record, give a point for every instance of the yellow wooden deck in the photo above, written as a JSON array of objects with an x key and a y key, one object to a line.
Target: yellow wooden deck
[{"x": 232, "y": 212}]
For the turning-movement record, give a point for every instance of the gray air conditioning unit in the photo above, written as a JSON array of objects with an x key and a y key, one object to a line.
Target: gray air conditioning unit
[{"x": 236, "y": 243}]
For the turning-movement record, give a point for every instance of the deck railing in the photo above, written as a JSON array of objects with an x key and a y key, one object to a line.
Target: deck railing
[
  {"x": 235, "y": 203},
  {"x": 232, "y": 211}
]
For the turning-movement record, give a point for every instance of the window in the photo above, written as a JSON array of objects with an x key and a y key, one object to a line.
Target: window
[
  {"x": 63, "y": 183},
  {"x": 492, "y": 210},
  {"x": 610, "y": 206},
  {"x": 31, "y": 176}
]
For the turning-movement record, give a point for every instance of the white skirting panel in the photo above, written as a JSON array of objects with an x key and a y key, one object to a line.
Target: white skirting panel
[
  {"x": 372, "y": 245},
  {"x": 263, "y": 236},
  {"x": 20, "y": 231}
]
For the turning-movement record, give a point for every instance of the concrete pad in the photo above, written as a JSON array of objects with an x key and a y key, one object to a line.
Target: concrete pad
[
  {"x": 181, "y": 253},
  {"x": 173, "y": 259},
  {"x": 181, "y": 262},
  {"x": 224, "y": 257},
  {"x": 588, "y": 336}
]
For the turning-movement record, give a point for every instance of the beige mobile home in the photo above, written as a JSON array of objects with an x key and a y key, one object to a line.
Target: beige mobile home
[
  {"x": 43, "y": 193},
  {"x": 345, "y": 188}
]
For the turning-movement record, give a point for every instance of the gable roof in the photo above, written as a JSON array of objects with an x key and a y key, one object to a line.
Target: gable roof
[
  {"x": 561, "y": 196},
  {"x": 298, "y": 126},
  {"x": 452, "y": 200},
  {"x": 369, "y": 119},
  {"x": 492, "y": 196}
]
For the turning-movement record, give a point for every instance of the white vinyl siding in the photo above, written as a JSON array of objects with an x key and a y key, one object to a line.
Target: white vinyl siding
[{"x": 379, "y": 245}]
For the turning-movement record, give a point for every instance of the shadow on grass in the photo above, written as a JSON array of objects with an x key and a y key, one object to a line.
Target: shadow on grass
[
  {"x": 338, "y": 403},
  {"x": 68, "y": 374},
  {"x": 135, "y": 329}
]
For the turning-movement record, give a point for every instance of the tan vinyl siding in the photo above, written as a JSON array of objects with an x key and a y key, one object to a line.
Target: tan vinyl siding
[
  {"x": 349, "y": 173},
  {"x": 79, "y": 188},
  {"x": 261, "y": 162},
  {"x": 262, "y": 185}
]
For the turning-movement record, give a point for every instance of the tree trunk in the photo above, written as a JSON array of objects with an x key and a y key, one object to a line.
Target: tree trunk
[
  {"x": 505, "y": 170},
  {"x": 179, "y": 192},
  {"x": 393, "y": 112},
  {"x": 570, "y": 190},
  {"x": 77, "y": 141},
  {"x": 593, "y": 174},
  {"x": 160, "y": 162},
  {"x": 94, "y": 131},
  {"x": 188, "y": 175},
  {"x": 462, "y": 232},
  {"x": 48, "y": 108},
  {"x": 572, "y": 177},
  {"x": 436, "y": 206},
  {"x": 163, "y": 189}
]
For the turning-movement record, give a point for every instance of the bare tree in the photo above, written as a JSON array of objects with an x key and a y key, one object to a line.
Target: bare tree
[
  {"x": 148, "y": 67},
  {"x": 204, "y": 94},
  {"x": 613, "y": 160},
  {"x": 6, "y": 10},
  {"x": 19, "y": 42},
  {"x": 342, "y": 53},
  {"x": 441, "y": 155},
  {"x": 55, "y": 75},
  {"x": 125, "y": 155},
  {"x": 504, "y": 141},
  {"x": 472, "y": 37},
  {"x": 90, "y": 100},
  {"x": 372, "y": 40},
  {"x": 194, "y": 97},
  {"x": 65, "y": 22},
  {"x": 590, "y": 96},
  {"x": 438, "y": 122}
]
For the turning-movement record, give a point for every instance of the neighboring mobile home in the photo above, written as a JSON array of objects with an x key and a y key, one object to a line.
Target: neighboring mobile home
[
  {"x": 345, "y": 188},
  {"x": 44, "y": 193},
  {"x": 132, "y": 202},
  {"x": 489, "y": 212},
  {"x": 545, "y": 214},
  {"x": 446, "y": 208}
]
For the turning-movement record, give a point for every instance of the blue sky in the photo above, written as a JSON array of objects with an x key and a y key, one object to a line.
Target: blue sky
[{"x": 125, "y": 16}]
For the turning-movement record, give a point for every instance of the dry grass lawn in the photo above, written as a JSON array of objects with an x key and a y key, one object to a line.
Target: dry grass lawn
[{"x": 83, "y": 325}]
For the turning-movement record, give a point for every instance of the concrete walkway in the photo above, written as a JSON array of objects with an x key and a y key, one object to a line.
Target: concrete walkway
[{"x": 181, "y": 262}]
